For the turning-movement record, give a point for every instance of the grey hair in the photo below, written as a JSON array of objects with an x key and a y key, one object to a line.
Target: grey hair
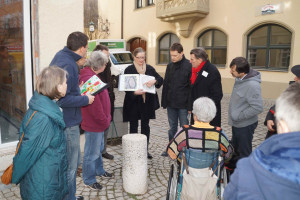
[
  {"x": 288, "y": 107},
  {"x": 205, "y": 109},
  {"x": 199, "y": 52},
  {"x": 97, "y": 60}
]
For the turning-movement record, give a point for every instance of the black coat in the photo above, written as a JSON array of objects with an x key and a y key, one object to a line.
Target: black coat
[
  {"x": 177, "y": 85},
  {"x": 209, "y": 86},
  {"x": 134, "y": 108}
]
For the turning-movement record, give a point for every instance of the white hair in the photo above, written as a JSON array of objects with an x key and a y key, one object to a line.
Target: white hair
[
  {"x": 97, "y": 60},
  {"x": 205, "y": 109},
  {"x": 288, "y": 107}
]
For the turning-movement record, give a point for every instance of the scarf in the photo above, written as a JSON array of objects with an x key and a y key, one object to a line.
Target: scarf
[
  {"x": 141, "y": 70},
  {"x": 195, "y": 72}
]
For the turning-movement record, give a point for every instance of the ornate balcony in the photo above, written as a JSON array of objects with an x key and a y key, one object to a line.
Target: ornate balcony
[{"x": 184, "y": 13}]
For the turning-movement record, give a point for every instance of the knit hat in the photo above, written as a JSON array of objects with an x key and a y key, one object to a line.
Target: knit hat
[{"x": 296, "y": 70}]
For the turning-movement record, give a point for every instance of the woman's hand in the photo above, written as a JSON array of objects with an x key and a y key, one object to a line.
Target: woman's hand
[
  {"x": 139, "y": 92},
  {"x": 150, "y": 83}
]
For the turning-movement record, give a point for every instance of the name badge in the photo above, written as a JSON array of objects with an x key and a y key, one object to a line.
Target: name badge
[{"x": 204, "y": 73}]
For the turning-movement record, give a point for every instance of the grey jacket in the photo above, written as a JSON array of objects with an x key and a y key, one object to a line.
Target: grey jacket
[{"x": 246, "y": 101}]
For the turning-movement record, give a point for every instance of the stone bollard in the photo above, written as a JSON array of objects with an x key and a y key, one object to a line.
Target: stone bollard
[{"x": 134, "y": 171}]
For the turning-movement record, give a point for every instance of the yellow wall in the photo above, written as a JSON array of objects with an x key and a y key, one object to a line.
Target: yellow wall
[
  {"x": 236, "y": 18},
  {"x": 57, "y": 19}
]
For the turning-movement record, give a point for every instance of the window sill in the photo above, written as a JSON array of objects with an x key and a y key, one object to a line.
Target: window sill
[{"x": 271, "y": 69}]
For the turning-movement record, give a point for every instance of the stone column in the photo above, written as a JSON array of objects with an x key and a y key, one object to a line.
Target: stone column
[{"x": 135, "y": 170}]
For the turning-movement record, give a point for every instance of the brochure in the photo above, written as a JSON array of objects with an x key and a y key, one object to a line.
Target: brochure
[
  {"x": 133, "y": 82},
  {"x": 93, "y": 86}
]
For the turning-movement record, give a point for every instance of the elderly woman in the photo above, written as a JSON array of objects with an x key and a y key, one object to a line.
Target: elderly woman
[
  {"x": 40, "y": 166},
  {"x": 95, "y": 120},
  {"x": 139, "y": 105},
  {"x": 200, "y": 136}
]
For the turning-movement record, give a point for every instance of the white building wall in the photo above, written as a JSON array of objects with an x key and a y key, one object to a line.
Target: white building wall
[{"x": 57, "y": 19}]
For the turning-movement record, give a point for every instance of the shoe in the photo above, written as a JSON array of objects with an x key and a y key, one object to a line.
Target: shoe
[
  {"x": 149, "y": 156},
  {"x": 106, "y": 175},
  {"x": 95, "y": 186},
  {"x": 108, "y": 156},
  {"x": 79, "y": 198},
  {"x": 79, "y": 171},
  {"x": 164, "y": 154}
]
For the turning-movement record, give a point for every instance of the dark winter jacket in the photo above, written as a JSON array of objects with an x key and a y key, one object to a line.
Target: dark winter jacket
[
  {"x": 106, "y": 77},
  {"x": 41, "y": 163},
  {"x": 134, "y": 106},
  {"x": 272, "y": 171},
  {"x": 96, "y": 116},
  {"x": 208, "y": 84},
  {"x": 73, "y": 101},
  {"x": 271, "y": 116},
  {"x": 177, "y": 85}
]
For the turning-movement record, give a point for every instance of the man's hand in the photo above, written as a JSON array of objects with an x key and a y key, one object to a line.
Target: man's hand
[
  {"x": 150, "y": 83},
  {"x": 91, "y": 98},
  {"x": 139, "y": 92},
  {"x": 270, "y": 124}
]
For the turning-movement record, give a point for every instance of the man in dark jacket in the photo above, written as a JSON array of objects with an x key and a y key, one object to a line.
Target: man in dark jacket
[
  {"x": 72, "y": 102},
  {"x": 176, "y": 89},
  {"x": 272, "y": 171},
  {"x": 244, "y": 106},
  {"x": 105, "y": 76},
  {"x": 206, "y": 82}
]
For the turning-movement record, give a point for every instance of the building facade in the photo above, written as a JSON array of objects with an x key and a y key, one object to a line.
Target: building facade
[{"x": 266, "y": 32}]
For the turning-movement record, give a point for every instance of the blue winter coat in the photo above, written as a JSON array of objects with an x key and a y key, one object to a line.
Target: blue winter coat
[
  {"x": 72, "y": 102},
  {"x": 272, "y": 171},
  {"x": 41, "y": 163}
]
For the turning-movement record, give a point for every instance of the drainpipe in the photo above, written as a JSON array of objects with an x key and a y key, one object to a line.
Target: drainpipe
[{"x": 122, "y": 17}]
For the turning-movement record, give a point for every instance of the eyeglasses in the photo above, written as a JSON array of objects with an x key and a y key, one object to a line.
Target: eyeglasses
[{"x": 141, "y": 58}]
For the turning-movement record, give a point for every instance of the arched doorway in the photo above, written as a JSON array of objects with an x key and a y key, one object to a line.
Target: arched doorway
[{"x": 137, "y": 42}]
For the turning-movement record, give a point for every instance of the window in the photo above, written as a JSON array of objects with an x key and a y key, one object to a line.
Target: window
[
  {"x": 139, "y": 3},
  {"x": 150, "y": 2},
  {"x": 268, "y": 47},
  {"x": 165, "y": 43},
  {"x": 215, "y": 44},
  {"x": 15, "y": 65}
]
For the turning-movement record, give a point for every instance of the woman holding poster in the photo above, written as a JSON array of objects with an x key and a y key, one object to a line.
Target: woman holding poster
[
  {"x": 95, "y": 120},
  {"x": 139, "y": 105}
]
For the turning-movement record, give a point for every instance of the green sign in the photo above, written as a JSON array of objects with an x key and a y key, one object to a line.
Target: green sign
[{"x": 113, "y": 45}]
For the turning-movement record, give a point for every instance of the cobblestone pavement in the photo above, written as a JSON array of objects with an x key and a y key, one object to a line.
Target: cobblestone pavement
[{"x": 158, "y": 167}]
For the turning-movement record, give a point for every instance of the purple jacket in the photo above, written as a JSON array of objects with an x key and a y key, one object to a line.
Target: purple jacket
[{"x": 96, "y": 116}]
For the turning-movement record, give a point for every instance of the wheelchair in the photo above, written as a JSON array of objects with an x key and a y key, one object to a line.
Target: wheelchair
[{"x": 196, "y": 159}]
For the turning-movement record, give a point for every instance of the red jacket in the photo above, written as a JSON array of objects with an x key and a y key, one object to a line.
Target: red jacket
[{"x": 96, "y": 116}]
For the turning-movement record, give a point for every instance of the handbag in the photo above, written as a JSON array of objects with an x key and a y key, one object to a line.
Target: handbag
[{"x": 7, "y": 174}]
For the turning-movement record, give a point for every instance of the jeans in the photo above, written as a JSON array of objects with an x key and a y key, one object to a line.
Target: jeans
[
  {"x": 92, "y": 157},
  {"x": 173, "y": 115},
  {"x": 242, "y": 139},
  {"x": 73, "y": 156}
]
